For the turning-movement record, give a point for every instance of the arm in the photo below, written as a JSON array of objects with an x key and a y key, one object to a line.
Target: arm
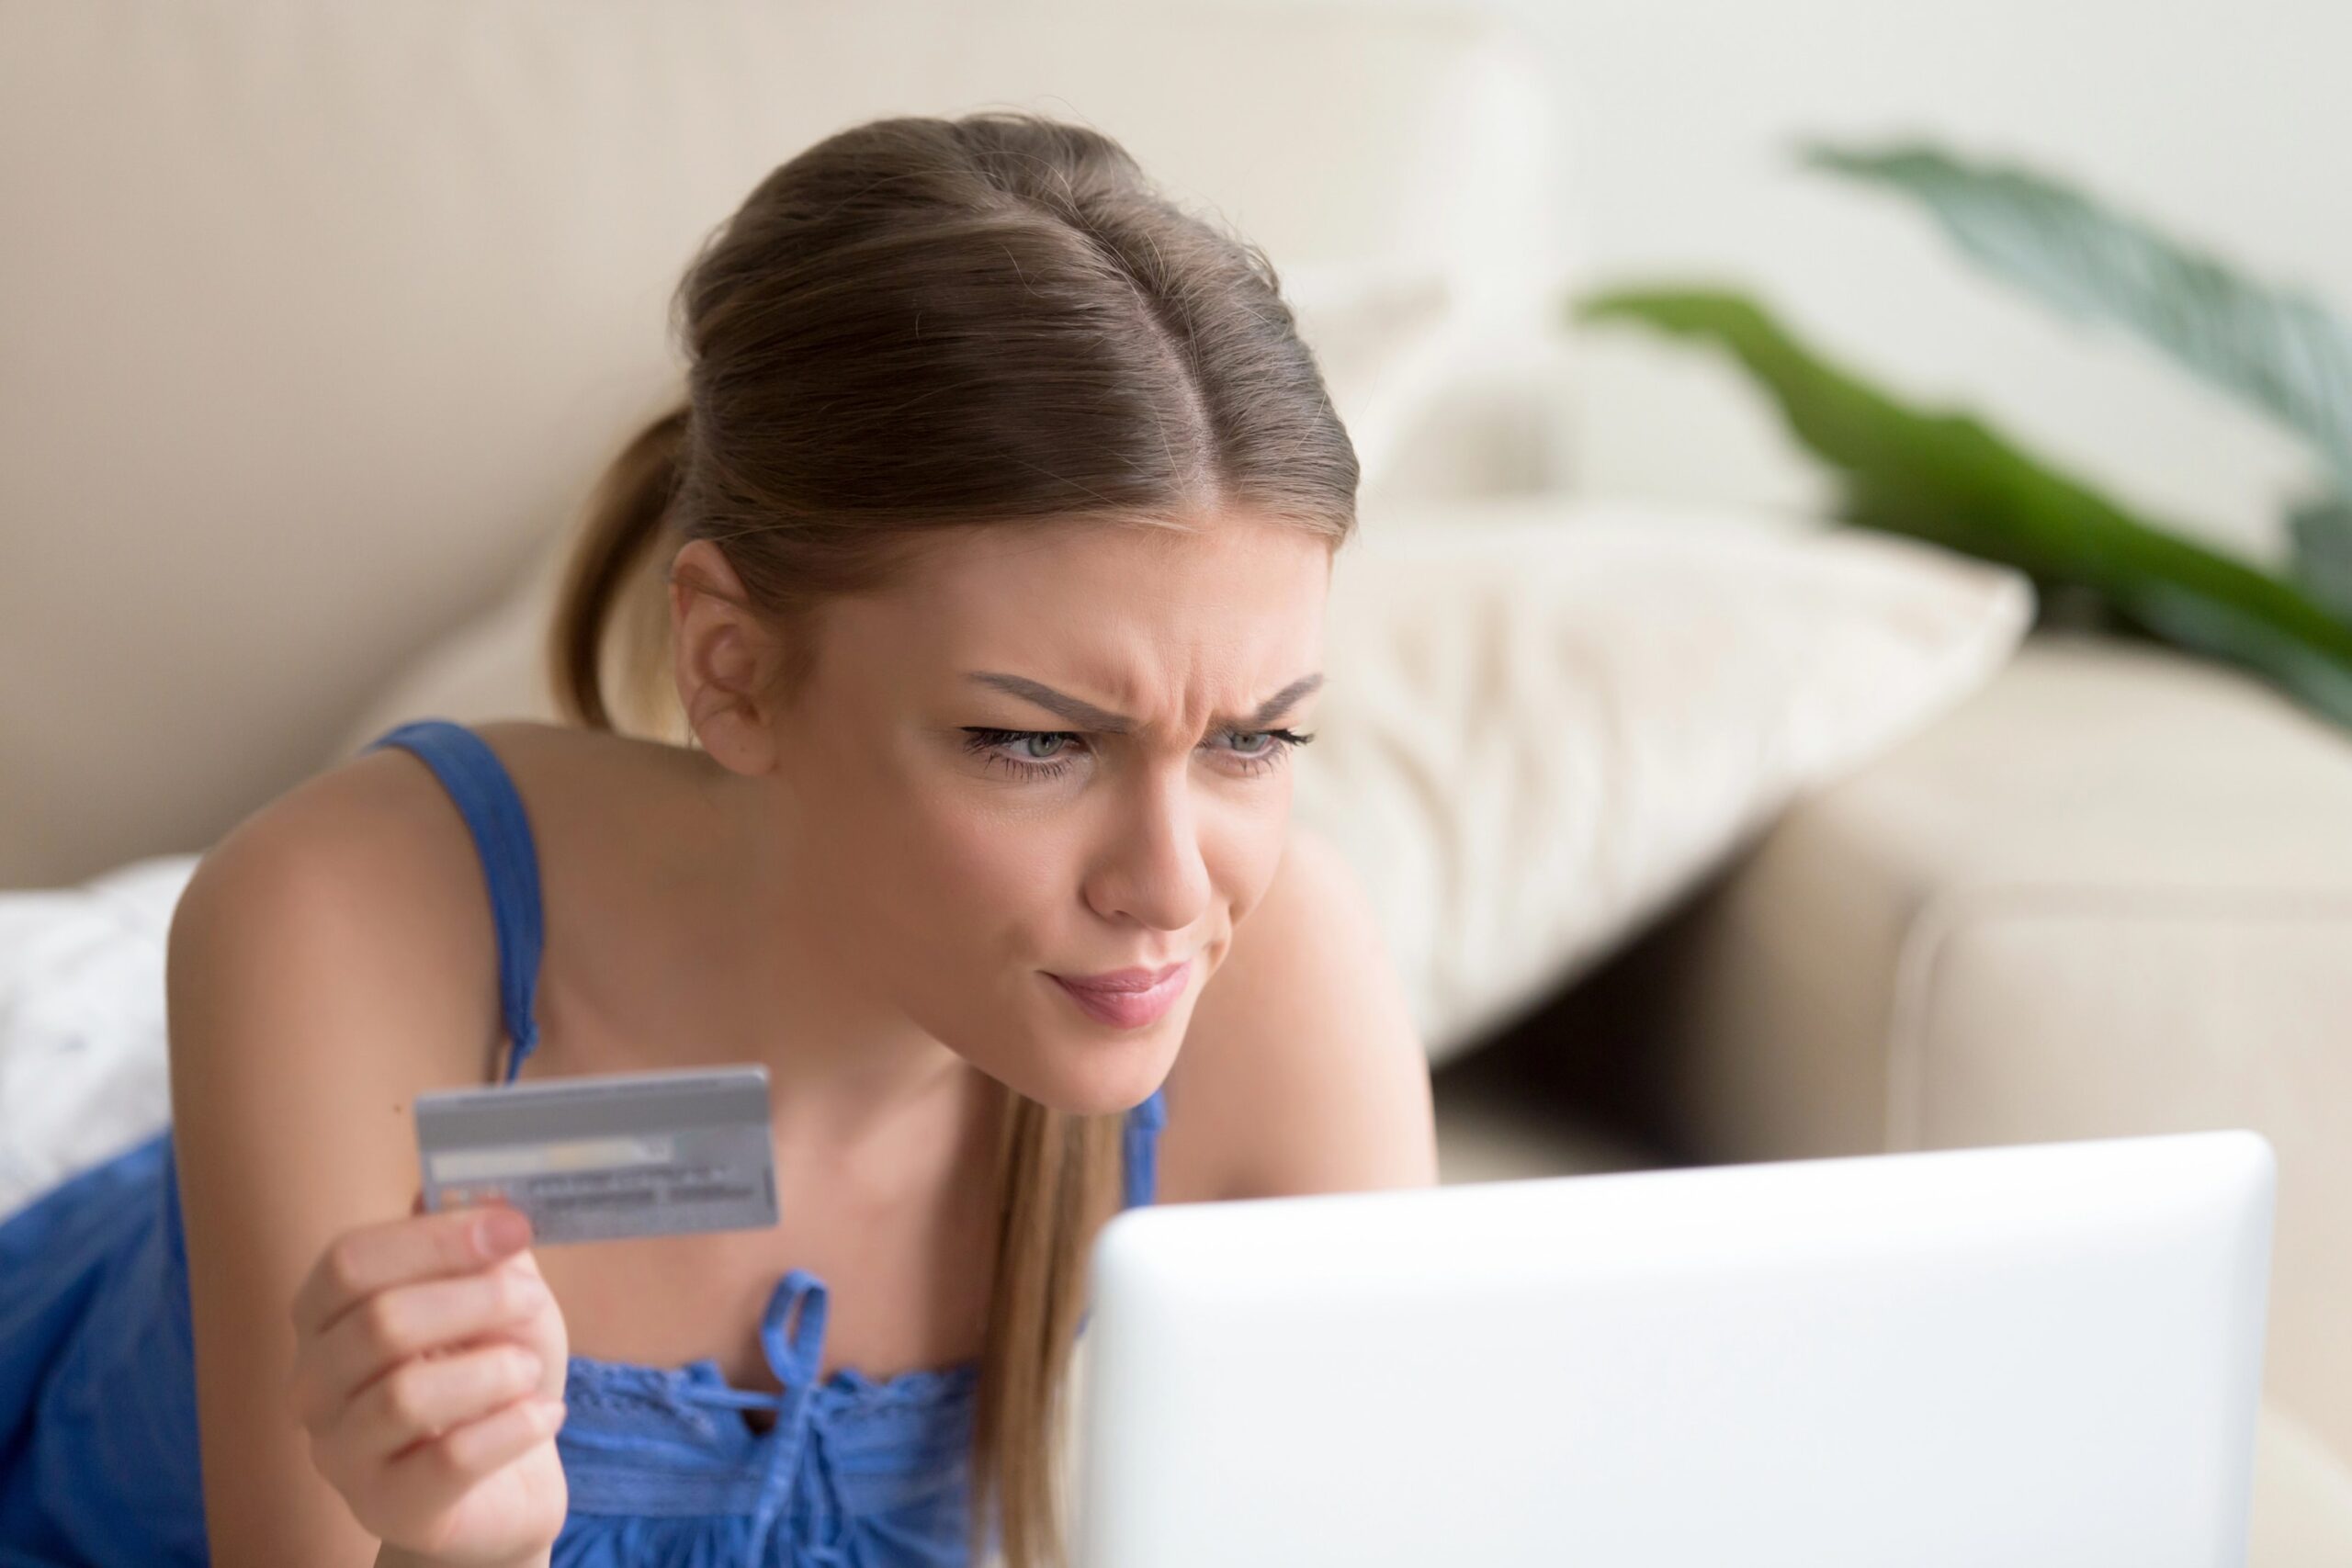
[
  {"x": 1301, "y": 1071},
  {"x": 303, "y": 1016}
]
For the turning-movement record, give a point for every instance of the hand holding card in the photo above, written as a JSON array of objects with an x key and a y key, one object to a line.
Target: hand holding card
[{"x": 429, "y": 1371}]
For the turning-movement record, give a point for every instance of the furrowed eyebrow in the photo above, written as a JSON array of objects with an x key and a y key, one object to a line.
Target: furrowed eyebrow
[{"x": 1087, "y": 715}]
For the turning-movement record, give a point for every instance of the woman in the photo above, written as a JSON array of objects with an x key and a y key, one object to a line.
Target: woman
[{"x": 997, "y": 522}]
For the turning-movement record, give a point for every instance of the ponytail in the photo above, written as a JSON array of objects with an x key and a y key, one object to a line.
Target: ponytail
[{"x": 625, "y": 517}]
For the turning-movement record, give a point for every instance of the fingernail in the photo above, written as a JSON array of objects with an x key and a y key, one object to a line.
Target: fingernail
[{"x": 503, "y": 1230}]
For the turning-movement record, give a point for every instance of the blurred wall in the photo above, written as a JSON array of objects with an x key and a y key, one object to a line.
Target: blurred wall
[{"x": 2228, "y": 126}]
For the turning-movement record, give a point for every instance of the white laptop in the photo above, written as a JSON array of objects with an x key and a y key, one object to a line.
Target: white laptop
[{"x": 2043, "y": 1356}]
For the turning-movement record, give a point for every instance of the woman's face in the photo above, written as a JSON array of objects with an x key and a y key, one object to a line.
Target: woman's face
[{"x": 1056, "y": 752}]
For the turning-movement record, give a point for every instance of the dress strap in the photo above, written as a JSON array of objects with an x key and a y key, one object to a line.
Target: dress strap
[
  {"x": 485, "y": 794},
  {"x": 1142, "y": 1148},
  {"x": 792, "y": 1333}
]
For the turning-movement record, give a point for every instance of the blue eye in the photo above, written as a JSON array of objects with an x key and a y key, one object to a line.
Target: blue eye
[
  {"x": 1277, "y": 745},
  {"x": 992, "y": 746},
  {"x": 1055, "y": 735},
  {"x": 1017, "y": 749}
]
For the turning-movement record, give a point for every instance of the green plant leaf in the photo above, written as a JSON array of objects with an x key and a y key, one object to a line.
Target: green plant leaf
[
  {"x": 2275, "y": 347},
  {"x": 2322, "y": 535},
  {"x": 1947, "y": 479}
]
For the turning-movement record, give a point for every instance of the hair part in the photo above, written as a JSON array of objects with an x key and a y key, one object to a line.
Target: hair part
[{"x": 921, "y": 324}]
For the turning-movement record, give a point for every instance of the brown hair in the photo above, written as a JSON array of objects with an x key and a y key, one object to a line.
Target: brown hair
[{"x": 920, "y": 323}]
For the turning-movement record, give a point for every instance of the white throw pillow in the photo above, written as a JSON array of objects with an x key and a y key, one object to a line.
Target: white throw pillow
[
  {"x": 82, "y": 1065},
  {"x": 1545, "y": 718}
]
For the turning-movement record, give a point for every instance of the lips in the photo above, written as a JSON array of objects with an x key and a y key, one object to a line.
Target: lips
[
  {"x": 1124, "y": 979},
  {"x": 1127, "y": 999}
]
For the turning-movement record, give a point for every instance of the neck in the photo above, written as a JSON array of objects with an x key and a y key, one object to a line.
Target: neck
[{"x": 844, "y": 1067}]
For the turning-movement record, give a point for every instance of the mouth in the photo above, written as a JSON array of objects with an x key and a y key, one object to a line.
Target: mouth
[{"x": 1127, "y": 999}]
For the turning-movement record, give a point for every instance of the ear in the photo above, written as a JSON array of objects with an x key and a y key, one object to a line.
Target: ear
[{"x": 726, "y": 656}]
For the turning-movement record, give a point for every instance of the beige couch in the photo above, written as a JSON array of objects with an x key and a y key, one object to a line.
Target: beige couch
[
  {"x": 2110, "y": 893},
  {"x": 320, "y": 318}
]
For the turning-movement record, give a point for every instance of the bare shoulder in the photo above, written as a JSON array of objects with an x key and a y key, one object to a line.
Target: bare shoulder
[
  {"x": 366, "y": 868},
  {"x": 1301, "y": 1071}
]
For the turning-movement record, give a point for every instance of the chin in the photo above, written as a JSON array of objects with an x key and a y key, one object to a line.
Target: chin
[
  {"x": 1098, "y": 1095},
  {"x": 1043, "y": 1048},
  {"x": 1089, "y": 1071}
]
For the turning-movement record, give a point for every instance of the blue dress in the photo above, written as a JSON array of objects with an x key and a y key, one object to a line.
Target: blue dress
[{"x": 98, "y": 1461}]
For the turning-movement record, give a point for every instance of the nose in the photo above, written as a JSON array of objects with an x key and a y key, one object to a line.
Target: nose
[{"x": 1151, "y": 869}]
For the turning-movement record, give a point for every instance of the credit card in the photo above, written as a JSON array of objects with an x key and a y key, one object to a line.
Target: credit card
[{"x": 607, "y": 1155}]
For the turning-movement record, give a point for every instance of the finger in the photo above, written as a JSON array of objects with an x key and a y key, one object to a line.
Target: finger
[
  {"x": 481, "y": 1446},
  {"x": 405, "y": 1321},
  {"x": 434, "y": 1475},
  {"x": 364, "y": 1260},
  {"x": 421, "y": 1399}
]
